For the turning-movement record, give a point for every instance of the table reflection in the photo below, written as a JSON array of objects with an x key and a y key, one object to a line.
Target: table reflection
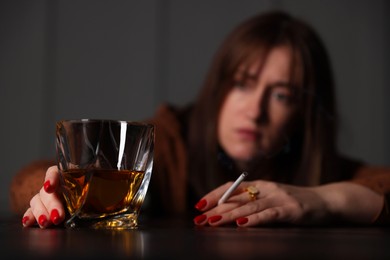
[
  {"x": 181, "y": 239},
  {"x": 84, "y": 242}
]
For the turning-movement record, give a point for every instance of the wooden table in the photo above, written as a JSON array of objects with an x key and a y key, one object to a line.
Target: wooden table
[{"x": 180, "y": 239}]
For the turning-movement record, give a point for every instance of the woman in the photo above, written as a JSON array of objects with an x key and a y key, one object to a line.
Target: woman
[{"x": 267, "y": 107}]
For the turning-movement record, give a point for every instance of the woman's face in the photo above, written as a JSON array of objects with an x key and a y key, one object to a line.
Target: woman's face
[{"x": 257, "y": 115}]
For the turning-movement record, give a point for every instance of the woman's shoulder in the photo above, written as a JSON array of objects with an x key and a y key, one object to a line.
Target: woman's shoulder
[
  {"x": 170, "y": 157},
  {"x": 171, "y": 119}
]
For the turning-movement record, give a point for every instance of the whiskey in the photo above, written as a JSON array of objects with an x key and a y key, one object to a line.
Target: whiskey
[{"x": 97, "y": 193}]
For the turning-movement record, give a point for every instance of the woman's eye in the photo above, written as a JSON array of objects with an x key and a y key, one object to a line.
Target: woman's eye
[{"x": 282, "y": 96}]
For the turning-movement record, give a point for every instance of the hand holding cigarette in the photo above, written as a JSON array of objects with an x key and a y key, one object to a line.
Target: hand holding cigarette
[{"x": 229, "y": 191}]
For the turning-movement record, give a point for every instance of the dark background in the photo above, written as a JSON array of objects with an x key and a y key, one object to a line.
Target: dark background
[{"x": 121, "y": 59}]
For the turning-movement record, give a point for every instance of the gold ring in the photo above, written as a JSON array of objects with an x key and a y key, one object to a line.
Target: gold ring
[{"x": 252, "y": 191}]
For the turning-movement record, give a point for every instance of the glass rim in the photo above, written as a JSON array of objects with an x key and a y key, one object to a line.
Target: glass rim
[{"x": 95, "y": 120}]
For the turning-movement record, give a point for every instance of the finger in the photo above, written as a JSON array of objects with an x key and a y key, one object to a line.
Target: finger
[
  {"x": 238, "y": 206},
  {"x": 233, "y": 203},
  {"x": 204, "y": 218},
  {"x": 53, "y": 205},
  {"x": 211, "y": 199},
  {"x": 234, "y": 213},
  {"x": 39, "y": 211},
  {"x": 244, "y": 196},
  {"x": 28, "y": 219},
  {"x": 51, "y": 179},
  {"x": 215, "y": 215},
  {"x": 268, "y": 216}
]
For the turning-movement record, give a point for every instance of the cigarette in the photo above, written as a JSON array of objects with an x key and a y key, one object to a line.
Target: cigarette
[{"x": 229, "y": 191}]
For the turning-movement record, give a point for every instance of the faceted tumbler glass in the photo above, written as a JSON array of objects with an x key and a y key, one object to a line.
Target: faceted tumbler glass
[{"x": 105, "y": 168}]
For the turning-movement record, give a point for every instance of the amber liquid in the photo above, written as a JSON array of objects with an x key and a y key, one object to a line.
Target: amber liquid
[{"x": 98, "y": 193}]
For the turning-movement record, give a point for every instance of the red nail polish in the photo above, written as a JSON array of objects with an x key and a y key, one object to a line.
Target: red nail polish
[
  {"x": 201, "y": 204},
  {"x": 46, "y": 186},
  {"x": 24, "y": 220},
  {"x": 241, "y": 221},
  {"x": 199, "y": 219},
  {"x": 215, "y": 218},
  {"x": 55, "y": 216},
  {"x": 42, "y": 220}
]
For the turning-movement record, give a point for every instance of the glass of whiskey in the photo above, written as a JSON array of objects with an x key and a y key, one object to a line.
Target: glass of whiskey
[{"x": 105, "y": 168}]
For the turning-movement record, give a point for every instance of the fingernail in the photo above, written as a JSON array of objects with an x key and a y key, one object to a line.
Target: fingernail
[
  {"x": 241, "y": 221},
  {"x": 54, "y": 216},
  {"x": 42, "y": 220},
  {"x": 46, "y": 186},
  {"x": 199, "y": 219},
  {"x": 214, "y": 219},
  {"x": 201, "y": 204},
  {"x": 24, "y": 220}
]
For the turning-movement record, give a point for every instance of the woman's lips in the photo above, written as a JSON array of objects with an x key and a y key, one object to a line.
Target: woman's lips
[{"x": 248, "y": 134}]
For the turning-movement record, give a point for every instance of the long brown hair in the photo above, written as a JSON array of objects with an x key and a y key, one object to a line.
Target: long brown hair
[{"x": 252, "y": 39}]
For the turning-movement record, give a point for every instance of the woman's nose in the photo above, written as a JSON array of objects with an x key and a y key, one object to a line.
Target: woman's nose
[{"x": 255, "y": 106}]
